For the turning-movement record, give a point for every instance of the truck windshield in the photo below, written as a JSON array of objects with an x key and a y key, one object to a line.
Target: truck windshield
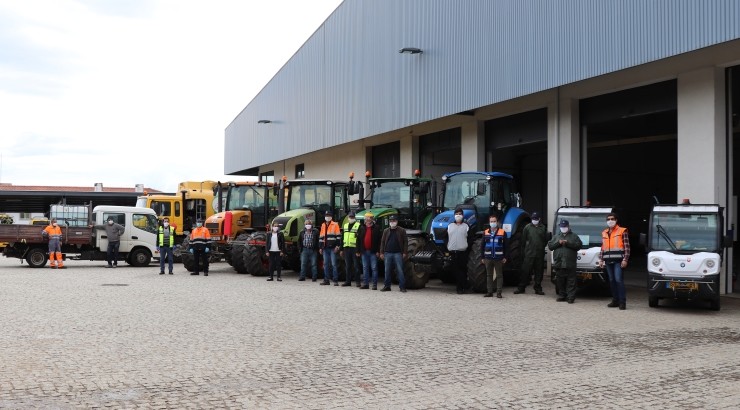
[
  {"x": 393, "y": 194},
  {"x": 315, "y": 196},
  {"x": 588, "y": 227},
  {"x": 685, "y": 231}
]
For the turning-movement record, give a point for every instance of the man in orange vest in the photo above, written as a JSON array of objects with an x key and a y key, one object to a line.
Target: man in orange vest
[
  {"x": 615, "y": 254},
  {"x": 330, "y": 241},
  {"x": 54, "y": 233},
  {"x": 200, "y": 246}
]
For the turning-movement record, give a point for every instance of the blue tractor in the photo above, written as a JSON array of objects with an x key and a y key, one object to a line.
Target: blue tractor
[{"x": 479, "y": 194}]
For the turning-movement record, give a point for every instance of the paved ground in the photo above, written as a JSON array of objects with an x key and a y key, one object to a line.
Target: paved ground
[{"x": 88, "y": 337}]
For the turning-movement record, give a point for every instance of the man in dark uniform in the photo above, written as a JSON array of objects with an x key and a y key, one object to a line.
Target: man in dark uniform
[
  {"x": 565, "y": 247},
  {"x": 534, "y": 238}
]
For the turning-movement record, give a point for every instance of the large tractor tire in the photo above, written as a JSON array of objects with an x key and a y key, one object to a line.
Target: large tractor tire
[
  {"x": 476, "y": 270},
  {"x": 253, "y": 256},
  {"x": 238, "y": 261},
  {"x": 416, "y": 276},
  {"x": 513, "y": 265},
  {"x": 227, "y": 257},
  {"x": 188, "y": 260}
]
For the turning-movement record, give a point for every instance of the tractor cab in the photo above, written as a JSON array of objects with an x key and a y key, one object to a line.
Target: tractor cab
[{"x": 409, "y": 198}]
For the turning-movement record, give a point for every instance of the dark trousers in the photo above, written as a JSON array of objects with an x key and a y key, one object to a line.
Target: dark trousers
[
  {"x": 532, "y": 265},
  {"x": 566, "y": 283},
  {"x": 113, "y": 252},
  {"x": 351, "y": 265},
  {"x": 275, "y": 263},
  {"x": 198, "y": 254},
  {"x": 460, "y": 267}
]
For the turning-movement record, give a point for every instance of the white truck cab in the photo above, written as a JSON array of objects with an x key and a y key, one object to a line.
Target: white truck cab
[{"x": 138, "y": 242}]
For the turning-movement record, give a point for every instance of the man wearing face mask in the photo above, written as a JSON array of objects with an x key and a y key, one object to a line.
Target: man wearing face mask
[
  {"x": 165, "y": 243},
  {"x": 393, "y": 248},
  {"x": 565, "y": 246},
  {"x": 330, "y": 241},
  {"x": 368, "y": 245},
  {"x": 457, "y": 244},
  {"x": 200, "y": 247},
  {"x": 308, "y": 246},
  {"x": 349, "y": 250},
  {"x": 275, "y": 248},
  {"x": 113, "y": 231},
  {"x": 54, "y": 234},
  {"x": 493, "y": 249},
  {"x": 534, "y": 238},
  {"x": 615, "y": 254}
]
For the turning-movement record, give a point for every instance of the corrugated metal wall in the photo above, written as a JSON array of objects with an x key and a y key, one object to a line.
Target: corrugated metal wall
[{"x": 349, "y": 82}]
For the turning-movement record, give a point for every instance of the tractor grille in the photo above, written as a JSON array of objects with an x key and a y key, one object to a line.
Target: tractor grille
[{"x": 440, "y": 234}]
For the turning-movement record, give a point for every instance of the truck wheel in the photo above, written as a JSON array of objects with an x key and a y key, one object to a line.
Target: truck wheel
[
  {"x": 255, "y": 261},
  {"x": 36, "y": 258},
  {"x": 237, "y": 253},
  {"x": 415, "y": 278},
  {"x": 653, "y": 301},
  {"x": 140, "y": 258},
  {"x": 714, "y": 304},
  {"x": 476, "y": 270}
]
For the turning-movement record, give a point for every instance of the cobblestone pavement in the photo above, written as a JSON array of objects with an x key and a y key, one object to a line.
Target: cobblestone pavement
[{"x": 89, "y": 337}]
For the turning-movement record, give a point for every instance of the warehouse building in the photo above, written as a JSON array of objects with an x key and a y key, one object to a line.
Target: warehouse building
[{"x": 615, "y": 102}]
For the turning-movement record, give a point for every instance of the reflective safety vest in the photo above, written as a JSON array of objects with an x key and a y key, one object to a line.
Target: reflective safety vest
[
  {"x": 612, "y": 245},
  {"x": 54, "y": 232},
  {"x": 493, "y": 245},
  {"x": 330, "y": 235},
  {"x": 160, "y": 237},
  {"x": 349, "y": 238},
  {"x": 200, "y": 237}
]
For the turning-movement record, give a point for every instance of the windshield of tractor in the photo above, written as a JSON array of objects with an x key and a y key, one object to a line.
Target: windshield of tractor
[
  {"x": 310, "y": 196},
  {"x": 249, "y": 197},
  {"x": 392, "y": 194},
  {"x": 463, "y": 189},
  {"x": 684, "y": 232},
  {"x": 587, "y": 226}
]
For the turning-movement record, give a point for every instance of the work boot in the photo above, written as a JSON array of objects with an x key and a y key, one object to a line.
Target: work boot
[
  {"x": 539, "y": 292},
  {"x": 279, "y": 280},
  {"x": 375, "y": 287},
  {"x": 205, "y": 274},
  {"x": 613, "y": 303},
  {"x": 336, "y": 283},
  {"x": 498, "y": 295},
  {"x": 622, "y": 306},
  {"x": 518, "y": 291},
  {"x": 345, "y": 284},
  {"x": 324, "y": 283},
  {"x": 385, "y": 289},
  {"x": 403, "y": 290},
  {"x": 269, "y": 279},
  {"x": 162, "y": 272},
  {"x": 364, "y": 287},
  {"x": 488, "y": 295},
  {"x": 301, "y": 279}
]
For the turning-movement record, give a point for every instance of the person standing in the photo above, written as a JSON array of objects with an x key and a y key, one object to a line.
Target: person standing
[
  {"x": 534, "y": 238},
  {"x": 565, "y": 247},
  {"x": 54, "y": 234},
  {"x": 368, "y": 246},
  {"x": 615, "y": 255},
  {"x": 308, "y": 247},
  {"x": 275, "y": 249},
  {"x": 393, "y": 248},
  {"x": 349, "y": 250},
  {"x": 113, "y": 231},
  {"x": 330, "y": 241},
  {"x": 457, "y": 245},
  {"x": 493, "y": 249},
  {"x": 200, "y": 246},
  {"x": 165, "y": 245}
]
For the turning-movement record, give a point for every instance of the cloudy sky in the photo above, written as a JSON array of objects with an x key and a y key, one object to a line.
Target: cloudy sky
[{"x": 135, "y": 91}]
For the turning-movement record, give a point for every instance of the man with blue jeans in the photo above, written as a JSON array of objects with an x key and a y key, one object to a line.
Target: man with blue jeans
[
  {"x": 393, "y": 248},
  {"x": 308, "y": 245},
  {"x": 615, "y": 254},
  {"x": 330, "y": 241},
  {"x": 368, "y": 246}
]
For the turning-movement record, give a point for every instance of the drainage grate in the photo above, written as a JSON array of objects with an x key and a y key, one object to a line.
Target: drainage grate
[{"x": 114, "y": 284}]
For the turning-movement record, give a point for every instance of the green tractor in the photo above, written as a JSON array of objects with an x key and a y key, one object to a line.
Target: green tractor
[
  {"x": 306, "y": 199},
  {"x": 411, "y": 199}
]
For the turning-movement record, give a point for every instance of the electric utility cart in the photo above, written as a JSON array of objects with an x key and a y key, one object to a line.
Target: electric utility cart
[{"x": 685, "y": 245}]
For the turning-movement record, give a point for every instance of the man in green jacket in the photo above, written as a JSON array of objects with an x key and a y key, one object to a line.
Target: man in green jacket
[
  {"x": 534, "y": 238},
  {"x": 565, "y": 247}
]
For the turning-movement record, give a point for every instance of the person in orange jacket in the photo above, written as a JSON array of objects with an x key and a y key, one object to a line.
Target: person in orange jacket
[
  {"x": 330, "y": 241},
  {"x": 200, "y": 246},
  {"x": 54, "y": 233}
]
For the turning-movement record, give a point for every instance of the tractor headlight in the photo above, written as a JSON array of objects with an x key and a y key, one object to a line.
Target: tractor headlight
[
  {"x": 655, "y": 262},
  {"x": 710, "y": 263}
]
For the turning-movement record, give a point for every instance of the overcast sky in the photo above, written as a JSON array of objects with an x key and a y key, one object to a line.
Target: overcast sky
[{"x": 135, "y": 91}]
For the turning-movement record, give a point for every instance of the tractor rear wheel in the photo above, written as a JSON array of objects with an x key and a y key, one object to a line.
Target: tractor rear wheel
[
  {"x": 513, "y": 265},
  {"x": 416, "y": 278},
  {"x": 237, "y": 253},
  {"x": 255, "y": 260},
  {"x": 476, "y": 270}
]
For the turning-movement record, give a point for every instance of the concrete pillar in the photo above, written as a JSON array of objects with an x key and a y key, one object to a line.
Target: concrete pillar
[
  {"x": 702, "y": 145},
  {"x": 472, "y": 146},
  {"x": 563, "y": 154},
  {"x": 409, "y": 155}
]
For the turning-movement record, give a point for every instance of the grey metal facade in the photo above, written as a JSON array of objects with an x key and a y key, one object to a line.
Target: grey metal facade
[{"x": 349, "y": 81}]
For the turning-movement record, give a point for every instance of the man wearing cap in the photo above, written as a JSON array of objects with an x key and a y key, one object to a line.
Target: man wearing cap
[
  {"x": 200, "y": 247},
  {"x": 368, "y": 246},
  {"x": 457, "y": 245},
  {"x": 565, "y": 246},
  {"x": 534, "y": 241},
  {"x": 308, "y": 246},
  {"x": 113, "y": 231},
  {"x": 330, "y": 241},
  {"x": 393, "y": 248},
  {"x": 349, "y": 250}
]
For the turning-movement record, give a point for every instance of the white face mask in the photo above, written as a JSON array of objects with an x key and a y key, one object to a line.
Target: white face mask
[
  {"x": 198, "y": 224},
  {"x": 275, "y": 228},
  {"x": 110, "y": 222},
  {"x": 494, "y": 225},
  {"x": 535, "y": 222},
  {"x": 458, "y": 218},
  {"x": 563, "y": 230},
  {"x": 308, "y": 226},
  {"x": 611, "y": 224},
  {"x": 352, "y": 220},
  {"x": 166, "y": 224},
  {"x": 327, "y": 219},
  {"x": 393, "y": 224}
]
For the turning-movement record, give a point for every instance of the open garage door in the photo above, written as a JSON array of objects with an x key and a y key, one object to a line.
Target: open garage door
[{"x": 733, "y": 124}]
